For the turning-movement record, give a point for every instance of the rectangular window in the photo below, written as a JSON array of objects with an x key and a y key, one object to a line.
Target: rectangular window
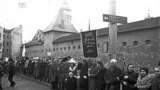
[
  {"x": 7, "y": 36},
  {"x": 73, "y": 47},
  {"x": 7, "y": 51},
  {"x": 64, "y": 48},
  {"x": 72, "y": 42},
  {"x": 7, "y": 44},
  {"x": 98, "y": 45},
  {"x": 60, "y": 48},
  {"x": 79, "y": 47},
  {"x": 124, "y": 44},
  {"x": 135, "y": 43},
  {"x": 0, "y": 45},
  {"x": 3, "y": 43},
  {"x": 0, "y": 36},
  {"x": 105, "y": 47},
  {"x": 68, "y": 48},
  {"x": 4, "y": 36},
  {"x": 148, "y": 42},
  {"x": 3, "y": 50}
]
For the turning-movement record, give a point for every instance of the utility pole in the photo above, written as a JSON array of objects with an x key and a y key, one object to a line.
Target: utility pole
[
  {"x": 112, "y": 31},
  {"x": 113, "y": 20}
]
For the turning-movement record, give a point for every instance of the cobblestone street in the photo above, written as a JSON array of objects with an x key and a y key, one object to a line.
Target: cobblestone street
[{"x": 23, "y": 84}]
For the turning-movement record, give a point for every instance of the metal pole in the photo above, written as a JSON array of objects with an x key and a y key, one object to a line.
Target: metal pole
[{"x": 112, "y": 31}]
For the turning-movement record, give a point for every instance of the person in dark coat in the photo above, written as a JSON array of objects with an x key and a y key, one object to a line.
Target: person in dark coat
[
  {"x": 92, "y": 75},
  {"x": 63, "y": 74},
  {"x": 100, "y": 83},
  {"x": 71, "y": 82},
  {"x": 1, "y": 74},
  {"x": 84, "y": 76},
  {"x": 156, "y": 80},
  {"x": 46, "y": 71},
  {"x": 53, "y": 75},
  {"x": 129, "y": 78},
  {"x": 32, "y": 67},
  {"x": 12, "y": 70},
  {"x": 112, "y": 76}
]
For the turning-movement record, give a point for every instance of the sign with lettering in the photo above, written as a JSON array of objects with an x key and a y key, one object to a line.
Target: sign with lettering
[
  {"x": 89, "y": 41},
  {"x": 114, "y": 19}
]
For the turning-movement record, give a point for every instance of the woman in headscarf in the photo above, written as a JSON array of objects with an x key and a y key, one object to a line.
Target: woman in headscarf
[{"x": 144, "y": 81}]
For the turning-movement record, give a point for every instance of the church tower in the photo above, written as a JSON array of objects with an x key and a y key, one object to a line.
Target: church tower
[{"x": 62, "y": 22}]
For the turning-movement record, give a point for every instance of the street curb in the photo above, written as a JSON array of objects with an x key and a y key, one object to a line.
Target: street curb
[{"x": 32, "y": 79}]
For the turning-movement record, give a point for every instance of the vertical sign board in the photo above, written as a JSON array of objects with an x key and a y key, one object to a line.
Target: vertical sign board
[{"x": 89, "y": 42}]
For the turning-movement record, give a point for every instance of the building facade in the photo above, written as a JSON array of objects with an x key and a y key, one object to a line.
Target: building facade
[
  {"x": 16, "y": 39},
  {"x": 12, "y": 42},
  {"x": 41, "y": 45},
  {"x": 137, "y": 42},
  {"x": 7, "y": 43},
  {"x": 1, "y": 41}
]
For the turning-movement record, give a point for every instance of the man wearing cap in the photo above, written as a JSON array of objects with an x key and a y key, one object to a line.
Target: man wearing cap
[{"x": 112, "y": 76}]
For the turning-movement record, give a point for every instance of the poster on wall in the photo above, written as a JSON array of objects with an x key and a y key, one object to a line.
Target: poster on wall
[{"x": 89, "y": 43}]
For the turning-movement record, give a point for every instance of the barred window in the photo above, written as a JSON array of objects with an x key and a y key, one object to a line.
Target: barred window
[
  {"x": 148, "y": 42},
  {"x": 135, "y": 43},
  {"x": 73, "y": 47},
  {"x": 124, "y": 44},
  {"x": 79, "y": 47}
]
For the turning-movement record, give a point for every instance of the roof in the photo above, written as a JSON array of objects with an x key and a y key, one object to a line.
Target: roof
[
  {"x": 61, "y": 22},
  {"x": 34, "y": 43},
  {"x": 147, "y": 23}
]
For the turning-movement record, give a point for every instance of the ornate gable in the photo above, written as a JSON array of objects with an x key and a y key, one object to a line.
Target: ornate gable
[{"x": 39, "y": 36}]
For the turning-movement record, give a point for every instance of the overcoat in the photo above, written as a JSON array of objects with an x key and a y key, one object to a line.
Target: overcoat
[
  {"x": 144, "y": 83},
  {"x": 156, "y": 83},
  {"x": 111, "y": 78},
  {"x": 131, "y": 80}
]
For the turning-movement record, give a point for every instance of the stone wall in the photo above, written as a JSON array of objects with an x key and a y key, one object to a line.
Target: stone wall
[
  {"x": 141, "y": 48},
  {"x": 141, "y": 54}
]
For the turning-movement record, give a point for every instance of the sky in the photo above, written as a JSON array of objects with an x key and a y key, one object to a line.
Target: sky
[{"x": 37, "y": 14}]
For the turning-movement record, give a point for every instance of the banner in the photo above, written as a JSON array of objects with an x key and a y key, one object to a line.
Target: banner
[{"x": 89, "y": 42}]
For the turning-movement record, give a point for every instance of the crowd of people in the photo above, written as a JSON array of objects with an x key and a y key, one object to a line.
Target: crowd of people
[{"x": 87, "y": 74}]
